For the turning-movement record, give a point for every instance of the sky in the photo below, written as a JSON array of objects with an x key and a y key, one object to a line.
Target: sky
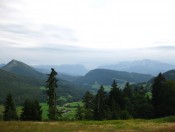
[{"x": 88, "y": 32}]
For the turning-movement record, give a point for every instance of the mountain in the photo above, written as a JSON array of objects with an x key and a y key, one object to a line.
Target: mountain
[
  {"x": 74, "y": 70},
  {"x": 20, "y": 87},
  {"x": 141, "y": 66},
  {"x": 1, "y": 65},
  {"x": 23, "y": 81},
  {"x": 23, "y": 69},
  {"x": 170, "y": 75},
  {"x": 106, "y": 77}
]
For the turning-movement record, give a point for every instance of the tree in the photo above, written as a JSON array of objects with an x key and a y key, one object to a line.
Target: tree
[
  {"x": 10, "y": 110},
  {"x": 100, "y": 108},
  {"x": 115, "y": 101},
  {"x": 128, "y": 102},
  {"x": 52, "y": 98},
  {"x": 31, "y": 111},
  {"x": 79, "y": 113},
  {"x": 88, "y": 101},
  {"x": 157, "y": 89}
]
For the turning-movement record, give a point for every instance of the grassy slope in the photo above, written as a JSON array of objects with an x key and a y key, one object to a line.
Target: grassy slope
[{"x": 96, "y": 126}]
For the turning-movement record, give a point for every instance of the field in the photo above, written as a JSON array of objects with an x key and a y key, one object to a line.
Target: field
[
  {"x": 69, "y": 110},
  {"x": 157, "y": 125}
]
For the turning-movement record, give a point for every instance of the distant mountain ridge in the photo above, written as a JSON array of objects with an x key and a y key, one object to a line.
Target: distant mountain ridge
[
  {"x": 141, "y": 66},
  {"x": 105, "y": 77},
  {"x": 69, "y": 69}
]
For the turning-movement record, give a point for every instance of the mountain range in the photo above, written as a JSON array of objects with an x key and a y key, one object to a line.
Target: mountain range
[
  {"x": 73, "y": 70},
  {"x": 141, "y": 66}
]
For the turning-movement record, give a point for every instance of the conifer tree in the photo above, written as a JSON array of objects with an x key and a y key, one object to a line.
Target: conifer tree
[
  {"x": 10, "y": 110},
  {"x": 79, "y": 113},
  {"x": 115, "y": 101},
  {"x": 52, "y": 98},
  {"x": 157, "y": 88},
  {"x": 31, "y": 111},
  {"x": 88, "y": 101},
  {"x": 100, "y": 108}
]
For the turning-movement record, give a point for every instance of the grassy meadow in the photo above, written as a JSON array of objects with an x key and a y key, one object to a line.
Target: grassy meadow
[{"x": 138, "y": 125}]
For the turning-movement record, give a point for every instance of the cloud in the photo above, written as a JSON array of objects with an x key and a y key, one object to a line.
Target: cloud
[{"x": 22, "y": 36}]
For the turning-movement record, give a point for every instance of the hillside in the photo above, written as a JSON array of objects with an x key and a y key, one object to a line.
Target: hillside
[
  {"x": 170, "y": 75},
  {"x": 23, "y": 69},
  {"x": 141, "y": 66},
  {"x": 105, "y": 77},
  {"x": 20, "y": 87},
  {"x": 24, "y": 82}
]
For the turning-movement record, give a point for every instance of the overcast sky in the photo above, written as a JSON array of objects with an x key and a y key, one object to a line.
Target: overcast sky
[{"x": 89, "y": 32}]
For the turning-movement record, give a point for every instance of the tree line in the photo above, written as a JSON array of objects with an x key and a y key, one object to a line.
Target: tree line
[{"x": 129, "y": 102}]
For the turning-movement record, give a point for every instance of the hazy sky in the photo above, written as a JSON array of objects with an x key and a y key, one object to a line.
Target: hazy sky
[{"x": 90, "y": 32}]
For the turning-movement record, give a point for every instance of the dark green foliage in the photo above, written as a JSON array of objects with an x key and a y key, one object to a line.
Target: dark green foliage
[
  {"x": 88, "y": 101},
  {"x": 115, "y": 101},
  {"x": 166, "y": 106},
  {"x": 100, "y": 105},
  {"x": 79, "y": 113},
  {"x": 142, "y": 105},
  {"x": 52, "y": 97},
  {"x": 10, "y": 109},
  {"x": 119, "y": 104},
  {"x": 31, "y": 111},
  {"x": 157, "y": 89}
]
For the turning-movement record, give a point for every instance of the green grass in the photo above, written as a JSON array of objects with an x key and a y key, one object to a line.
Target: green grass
[
  {"x": 69, "y": 109},
  {"x": 95, "y": 126}
]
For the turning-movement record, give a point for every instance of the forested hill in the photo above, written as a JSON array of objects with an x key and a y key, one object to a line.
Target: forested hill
[
  {"x": 105, "y": 77},
  {"x": 23, "y": 69},
  {"x": 170, "y": 75},
  {"x": 22, "y": 81},
  {"x": 20, "y": 87}
]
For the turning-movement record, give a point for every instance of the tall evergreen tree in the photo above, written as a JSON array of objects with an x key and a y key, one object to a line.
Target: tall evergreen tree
[
  {"x": 100, "y": 108},
  {"x": 115, "y": 101},
  {"x": 9, "y": 112},
  {"x": 128, "y": 101},
  {"x": 79, "y": 113},
  {"x": 157, "y": 88},
  {"x": 52, "y": 98},
  {"x": 88, "y": 101},
  {"x": 31, "y": 111}
]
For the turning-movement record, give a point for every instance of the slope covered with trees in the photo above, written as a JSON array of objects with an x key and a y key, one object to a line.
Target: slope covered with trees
[
  {"x": 24, "y": 82},
  {"x": 105, "y": 77}
]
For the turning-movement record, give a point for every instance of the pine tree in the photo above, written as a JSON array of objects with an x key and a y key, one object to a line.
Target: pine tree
[
  {"x": 88, "y": 101},
  {"x": 115, "y": 101},
  {"x": 10, "y": 110},
  {"x": 79, "y": 113},
  {"x": 31, "y": 111},
  {"x": 52, "y": 98},
  {"x": 100, "y": 108},
  {"x": 157, "y": 88}
]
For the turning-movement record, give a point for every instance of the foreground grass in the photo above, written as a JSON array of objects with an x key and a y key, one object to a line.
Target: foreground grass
[{"x": 158, "y": 125}]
